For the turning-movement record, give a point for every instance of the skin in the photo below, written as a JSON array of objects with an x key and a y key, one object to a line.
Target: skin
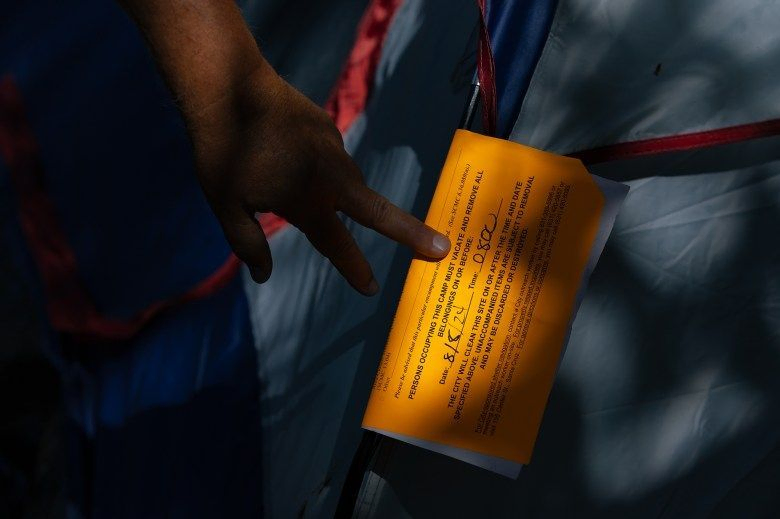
[{"x": 262, "y": 146}]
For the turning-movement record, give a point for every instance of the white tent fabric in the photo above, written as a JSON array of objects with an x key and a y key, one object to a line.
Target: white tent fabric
[
  {"x": 667, "y": 400},
  {"x": 318, "y": 341},
  {"x": 625, "y": 70}
]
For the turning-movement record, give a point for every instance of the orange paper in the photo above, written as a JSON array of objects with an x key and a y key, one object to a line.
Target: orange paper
[{"x": 478, "y": 336}]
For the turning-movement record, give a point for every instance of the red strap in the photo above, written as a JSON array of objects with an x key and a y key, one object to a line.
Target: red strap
[
  {"x": 69, "y": 306},
  {"x": 350, "y": 95},
  {"x": 486, "y": 73},
  {"x": 688, "y": 141}
]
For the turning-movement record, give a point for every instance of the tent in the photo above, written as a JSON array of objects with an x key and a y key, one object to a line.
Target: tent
[{"x": 667, "y": 399}]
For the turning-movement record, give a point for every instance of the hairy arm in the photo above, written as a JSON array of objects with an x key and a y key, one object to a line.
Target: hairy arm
[{"x": 260, "y": 145}]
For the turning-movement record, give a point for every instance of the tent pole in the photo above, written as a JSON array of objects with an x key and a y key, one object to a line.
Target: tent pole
[{"x": 471, "y": 106}]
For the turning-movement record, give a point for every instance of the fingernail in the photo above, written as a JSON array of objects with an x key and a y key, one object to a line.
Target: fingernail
[
  {"x": 372, "y": 287},
  {"x": 441, "y": 244}
]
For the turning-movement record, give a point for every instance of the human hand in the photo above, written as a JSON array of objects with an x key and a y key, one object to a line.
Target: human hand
[{"x": 265, "y": 147}]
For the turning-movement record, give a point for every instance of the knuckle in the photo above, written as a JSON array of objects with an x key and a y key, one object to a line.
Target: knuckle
[
  {"x": 380, "y": 210},
  {"x": 343, "y": 246}
]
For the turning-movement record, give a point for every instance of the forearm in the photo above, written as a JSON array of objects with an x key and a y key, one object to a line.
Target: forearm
[{"x": 203, "y": 48}]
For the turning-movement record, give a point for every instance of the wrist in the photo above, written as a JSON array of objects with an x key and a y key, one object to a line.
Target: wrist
[{"x": 249, "y": 88}]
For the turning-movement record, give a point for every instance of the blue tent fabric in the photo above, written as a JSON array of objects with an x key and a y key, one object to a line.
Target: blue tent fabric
[
  {"x": 201, "y": 458},
  {"x": 117, "y": 160},
  {"x": 518, "y": 31},
  {"x": 118, "y": 168}
]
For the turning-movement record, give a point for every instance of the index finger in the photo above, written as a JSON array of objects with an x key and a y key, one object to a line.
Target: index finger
[{"x": 369, "y": 208}]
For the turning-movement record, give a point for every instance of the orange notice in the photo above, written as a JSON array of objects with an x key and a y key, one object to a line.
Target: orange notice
[{"x": 478, "y": 336}]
